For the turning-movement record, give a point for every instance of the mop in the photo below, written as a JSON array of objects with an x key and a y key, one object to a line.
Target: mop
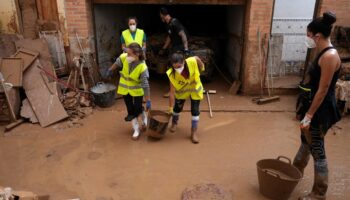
[{"x": 262, "y": 100}]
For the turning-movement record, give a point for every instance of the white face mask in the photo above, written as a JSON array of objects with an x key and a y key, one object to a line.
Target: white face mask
[
  {"x": 132, "y": 28},
  {"x": 180, "y": 69},
  {"x": 130, "y": 59},
  {"x": 310, "y": 43}
]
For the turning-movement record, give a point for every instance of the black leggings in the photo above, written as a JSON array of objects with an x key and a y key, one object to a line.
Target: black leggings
[
  {"x": 317, "y": 147},
  {"x": 133, "y": 105},
  {"x": 179, "y": 105}
]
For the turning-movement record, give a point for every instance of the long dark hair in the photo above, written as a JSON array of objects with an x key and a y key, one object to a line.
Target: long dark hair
[
  {"x": 137, "y": 50},
  {"x": 322, "y": 24}
]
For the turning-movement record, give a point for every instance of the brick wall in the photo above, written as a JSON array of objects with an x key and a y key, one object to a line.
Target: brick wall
[
  {"x": 258, "y": 17},
  {"x": 341, "y": 9},
  {"x": 79, "y": 19}
]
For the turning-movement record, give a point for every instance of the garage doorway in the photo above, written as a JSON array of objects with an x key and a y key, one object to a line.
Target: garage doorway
[
  {"x": 223, "y": 35},
  {"x": 287, "y": 50}
]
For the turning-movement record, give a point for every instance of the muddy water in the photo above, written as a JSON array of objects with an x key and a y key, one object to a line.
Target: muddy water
[{"x": 100, "y": 161}]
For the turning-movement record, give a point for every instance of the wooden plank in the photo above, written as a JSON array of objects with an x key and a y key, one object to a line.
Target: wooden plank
[
  {"x": 27, "y": 56},
  {"x": 46, "y": 106},
  {"x": 11, "y": 69},
  {"x": 32, "y": 77},
  {"x": 47, "y": 10},
  {"x": 199, "y": 2}
]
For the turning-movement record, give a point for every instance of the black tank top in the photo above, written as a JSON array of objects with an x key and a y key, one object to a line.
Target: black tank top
[{"x": 327, "y": 114}]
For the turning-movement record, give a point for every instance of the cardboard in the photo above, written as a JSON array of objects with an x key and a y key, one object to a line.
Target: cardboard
[
  {"x": 46, "y": 105},
  {"x": 27, "y": 56},
  {"x": 11, "y": 69}
]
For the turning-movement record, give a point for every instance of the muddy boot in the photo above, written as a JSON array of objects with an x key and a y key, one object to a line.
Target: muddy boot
[
  {"x": 194, "y": 136},
  {"x": 174, "y": 121},
  {"x": 135, "y": 126},
  {"x": 144, "y": 121},
  {"x": 194, "y": 133},
  {"x": 302, "y": 158},
  {"x": 320, "y": 186}
]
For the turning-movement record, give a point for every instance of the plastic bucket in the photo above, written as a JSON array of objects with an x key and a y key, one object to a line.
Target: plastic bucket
[
  {"x": 277, "y": 179},
  {"x": 158, "y": 124},
  {"x": 103, "y": 94}
]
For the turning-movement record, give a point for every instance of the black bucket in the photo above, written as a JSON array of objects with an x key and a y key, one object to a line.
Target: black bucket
[
  {"x": 158, "y": 124},
  {"x": 103, "y": 94}
]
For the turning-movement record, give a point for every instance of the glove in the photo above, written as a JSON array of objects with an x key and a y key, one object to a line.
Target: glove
[
  {"x": 148, "y": 104},
  {"x": 187, "y": 52},
  {"x": 108, "y": 73},
  {"x": 171, "y": 110},
  {"x": 305, "y": 123}
]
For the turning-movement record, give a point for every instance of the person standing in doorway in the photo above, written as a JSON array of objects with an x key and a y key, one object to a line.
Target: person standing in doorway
[
  {"x": 133, "y": 34},
  {"x": 133, "y": 85},
  {"x": 184, "y": 77},
  {"x": 177, "y": 38},
  {"x": 321, "y": 111}
]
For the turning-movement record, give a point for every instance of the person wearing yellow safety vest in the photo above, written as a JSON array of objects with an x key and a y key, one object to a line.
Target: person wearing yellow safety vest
[
  {"x": 184, "y": 77},
  {"x": 133, "y": 85},
  {"x": 133, "y": 34}
]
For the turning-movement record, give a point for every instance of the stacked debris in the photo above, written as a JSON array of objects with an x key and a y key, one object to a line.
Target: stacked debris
[
  {"x": 30, "y": 69},
  {"x": 199, "y": 46},
  {"x": 341, "y": 40}
]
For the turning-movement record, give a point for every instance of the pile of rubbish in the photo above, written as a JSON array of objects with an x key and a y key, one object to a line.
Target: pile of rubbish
[
  {"x": 341, "y": 40},
  {"x": 30, "y": 88},
  {"x": 198, "y": 46}
]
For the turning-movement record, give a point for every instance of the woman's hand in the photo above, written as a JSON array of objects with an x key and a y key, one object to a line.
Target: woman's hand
[{"x": 305, "y": 123}]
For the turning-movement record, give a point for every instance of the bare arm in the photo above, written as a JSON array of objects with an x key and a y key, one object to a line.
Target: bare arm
[
  {"x": 200, "y": 64},
  {"x": 167, "y": 42},
  {"x": 184, "y": 39},
  {"x": 328, "y": 64},
  {"x": 171, "y": 95}
]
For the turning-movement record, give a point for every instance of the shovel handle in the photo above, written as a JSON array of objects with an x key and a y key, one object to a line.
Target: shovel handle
[{"x": 286, "y": 158}]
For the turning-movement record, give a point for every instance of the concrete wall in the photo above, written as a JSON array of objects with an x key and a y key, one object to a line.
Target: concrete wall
[{"x": 8, "y": 17}]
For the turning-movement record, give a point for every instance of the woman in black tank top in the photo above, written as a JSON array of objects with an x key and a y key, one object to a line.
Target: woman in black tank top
[{"x": 322, "y": 111}]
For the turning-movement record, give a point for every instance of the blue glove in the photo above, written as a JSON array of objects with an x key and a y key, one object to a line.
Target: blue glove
[
  {"x": 148, "y": 104},
  {"x": 108, "y": 73}
]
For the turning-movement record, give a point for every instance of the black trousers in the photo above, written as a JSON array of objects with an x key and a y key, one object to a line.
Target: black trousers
[
  {"x": 179, "y": 105},
  {"x": 133, "y": 105}
]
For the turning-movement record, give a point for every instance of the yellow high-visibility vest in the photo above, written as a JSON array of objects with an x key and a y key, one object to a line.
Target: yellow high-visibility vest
[
  {"x": 138, "y": 37},
  {"x": 130, "y": 83},
  {"x": 191, "y": 87}
]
